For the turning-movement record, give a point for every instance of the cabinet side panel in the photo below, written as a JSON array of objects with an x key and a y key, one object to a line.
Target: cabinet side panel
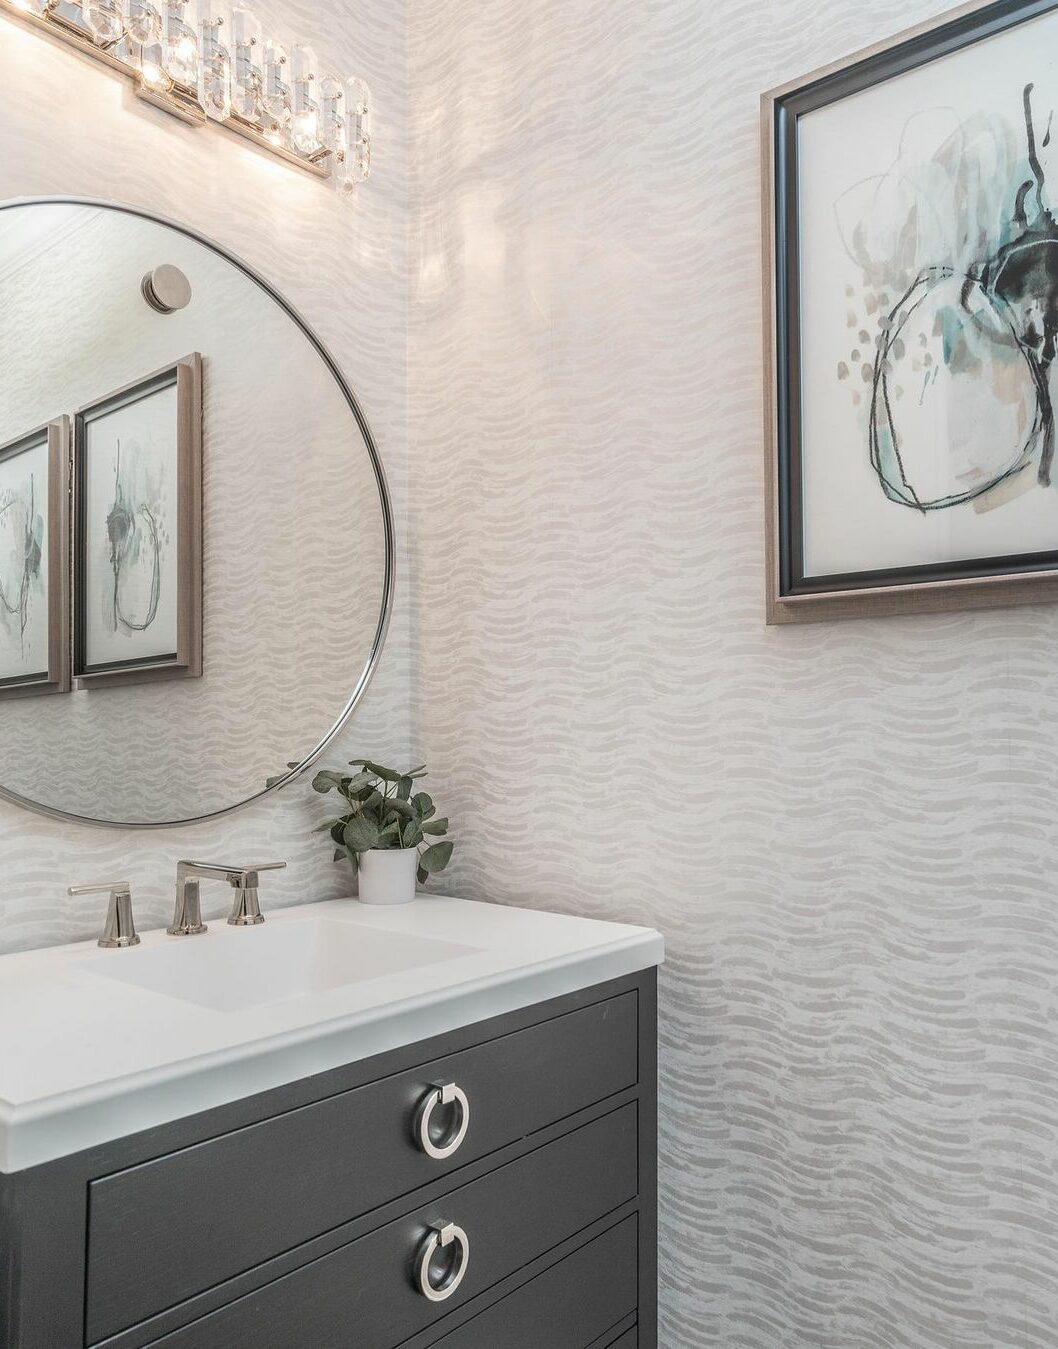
[{"x": 648, "y": 1160}]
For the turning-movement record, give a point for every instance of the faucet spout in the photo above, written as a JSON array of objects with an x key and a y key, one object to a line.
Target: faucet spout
[{"x": 246, "y": 912}]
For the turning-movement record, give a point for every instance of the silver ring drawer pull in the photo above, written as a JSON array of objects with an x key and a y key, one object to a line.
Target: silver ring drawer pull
[
  {"x": 441, "y": 1236},
  {"x": 441, "y": 1094}
]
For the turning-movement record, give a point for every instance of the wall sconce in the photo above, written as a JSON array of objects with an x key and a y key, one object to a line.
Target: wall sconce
[{"x": 209, "y": 61}]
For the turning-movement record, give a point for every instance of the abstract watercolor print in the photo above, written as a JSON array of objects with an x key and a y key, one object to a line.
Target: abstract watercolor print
[
  {"x": 129, "y": 487},
  {"x": 23, "y": 562},
  {"x": 929, "y": 312}
]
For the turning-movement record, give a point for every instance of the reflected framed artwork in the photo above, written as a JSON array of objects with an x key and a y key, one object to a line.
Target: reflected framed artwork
[
  {"x": 911, "y": 322},
  {"x": 34, "y": 558},
  {"x": 138, "y": 531}
]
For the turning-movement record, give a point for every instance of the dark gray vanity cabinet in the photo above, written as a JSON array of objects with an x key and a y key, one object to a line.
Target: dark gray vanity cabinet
[{"x": 315, "y": 1217}]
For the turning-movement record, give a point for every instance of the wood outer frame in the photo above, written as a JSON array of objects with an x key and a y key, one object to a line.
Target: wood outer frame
[
  {"x": 188, "y": 662},
  {"x": 948, "y": 32},
  {"x": 57, "y": 678}
]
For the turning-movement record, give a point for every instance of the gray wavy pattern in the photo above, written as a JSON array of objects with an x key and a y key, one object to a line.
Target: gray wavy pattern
[
  {"x": 845, "y": 833},
  {"x": 345, "y": 268}
]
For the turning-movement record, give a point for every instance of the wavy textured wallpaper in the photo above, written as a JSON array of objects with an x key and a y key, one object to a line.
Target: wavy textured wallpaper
[
  {"x": 846, "y": 832},
  {"x": 344, "y": 265}
]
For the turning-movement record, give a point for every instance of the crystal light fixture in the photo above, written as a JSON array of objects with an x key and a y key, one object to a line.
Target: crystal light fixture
[
  {"x": 354, "y": 165},
  {"x": 305, "y": 129},
  {"x": 143, "y": 22},
  {"x": 104, "y": 20},
  {"x": 181, "y": 43},
  {"x": 210, "y": 61},
  {"x": 215, "y": 73},
  {"x": 247, "y": 72}
]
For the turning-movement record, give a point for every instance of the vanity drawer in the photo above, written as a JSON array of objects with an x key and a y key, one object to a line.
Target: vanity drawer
[
  {"x": 168, "y": 1229},
  {"x": 570, "y": 1306},
  {"x": 364, "y": 1294}
]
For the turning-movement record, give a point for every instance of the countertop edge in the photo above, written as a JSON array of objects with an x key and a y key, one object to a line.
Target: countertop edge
[{"x": 45, "y": 1132}]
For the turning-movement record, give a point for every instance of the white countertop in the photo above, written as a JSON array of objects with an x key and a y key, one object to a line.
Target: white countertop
[{"x": 86, "y": 1059}]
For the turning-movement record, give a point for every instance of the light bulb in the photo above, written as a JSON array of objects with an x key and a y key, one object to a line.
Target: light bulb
[
  {"x": 143, "y": 22},
  {"x": 154, "y": 75},
  {"x": 181, "y": 44},
  {"x": 305, "y": 137},
  {"x": 305, "y": 132},
  {"x": 104, "y": 20}
]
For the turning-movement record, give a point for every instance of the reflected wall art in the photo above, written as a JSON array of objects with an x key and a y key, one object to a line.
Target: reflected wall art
[
  {"x": 138, "y": 531},
  {"x": 911, "y": 213},
  {"x": 34, "y": 518}
]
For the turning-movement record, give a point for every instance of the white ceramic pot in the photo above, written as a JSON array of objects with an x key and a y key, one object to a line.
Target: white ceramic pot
[{"x": 387, "y": 875}]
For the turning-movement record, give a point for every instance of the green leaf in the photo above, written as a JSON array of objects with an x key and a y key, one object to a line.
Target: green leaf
[
  {"x": 424, "y": 806},
  {"x": 360, "y": 835},
  {"x": 358, "y": 783},
  {"x": 398, "y": 807},
  {"x": 338, "y": 829},
  {"x": 354, "y": 863},
  {"x": 340, "y": 854},
  {"x": 390, "y": 830},
  {"x": 386, "y": 774},
  {"x": 412, "y": 834},
  {"x": 436, "y": 826},
  {"x": 326, "y": 781},
  {"x": 436, "y": 857},
  {"x": 404, "y": 787},
  {"x": 421, "y": 875},
  {"x": 327, "y": 824}
]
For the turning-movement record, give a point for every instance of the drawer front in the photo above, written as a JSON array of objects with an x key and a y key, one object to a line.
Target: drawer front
[
  {"x": 365, "y": 1294},
  {"x": 161, "y": 1232},
  {"x": 569, "y": 1306}
]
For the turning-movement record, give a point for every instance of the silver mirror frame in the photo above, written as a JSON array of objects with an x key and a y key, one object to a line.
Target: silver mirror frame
[{"x": 389, "y": 582}]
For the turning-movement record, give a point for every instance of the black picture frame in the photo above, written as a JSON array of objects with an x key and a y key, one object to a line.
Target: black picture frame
[{"x": 791, "y": 595}]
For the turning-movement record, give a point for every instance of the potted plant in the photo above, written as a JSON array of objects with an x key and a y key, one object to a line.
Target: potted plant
[{"x": 384, "y": 832}]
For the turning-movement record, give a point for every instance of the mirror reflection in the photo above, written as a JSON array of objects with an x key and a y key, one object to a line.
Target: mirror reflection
[{"x": 194, "y": 541}]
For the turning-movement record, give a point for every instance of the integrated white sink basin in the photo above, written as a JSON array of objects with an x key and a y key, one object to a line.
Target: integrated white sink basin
[
  {"x": 99, "y": 1044},
  {"x": 256, "y": 966}
]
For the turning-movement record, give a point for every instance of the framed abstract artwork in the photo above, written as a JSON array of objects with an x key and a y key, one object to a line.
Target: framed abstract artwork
[
  {"x": 34, "y": 558},
  {"x": 137, "y": 547},
  {"x": 911, "y": 321}
]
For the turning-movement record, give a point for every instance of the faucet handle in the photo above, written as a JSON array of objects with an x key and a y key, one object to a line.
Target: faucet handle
[
  {"x": 246, "y": 872},
  {"x": 120, "y": 928},
  {"x": 246, "y": 910}
]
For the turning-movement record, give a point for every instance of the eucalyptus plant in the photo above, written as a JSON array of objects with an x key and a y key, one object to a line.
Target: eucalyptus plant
[{"x": 384, "y": 811}]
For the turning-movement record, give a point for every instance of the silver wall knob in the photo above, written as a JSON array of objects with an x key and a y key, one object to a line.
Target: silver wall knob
[
  {"x": 120, "y": 928},
  {"x": 166, "y": 289},
  {"x": 433, "y": 1142},
  {"x": 438, "y": 1284}
]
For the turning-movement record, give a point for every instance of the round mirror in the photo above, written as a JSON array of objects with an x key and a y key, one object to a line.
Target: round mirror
[{"x": 196, "y": 544}]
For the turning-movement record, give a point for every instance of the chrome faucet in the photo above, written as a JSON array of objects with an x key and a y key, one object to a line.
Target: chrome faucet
[
  {"x": 120, "y": 929},
  {"x": 246, "y": 908}
]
